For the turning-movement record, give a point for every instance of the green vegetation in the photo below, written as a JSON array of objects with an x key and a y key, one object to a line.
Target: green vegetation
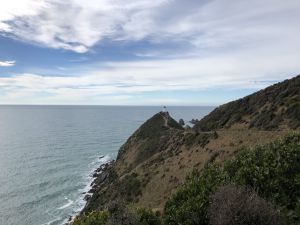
[
  {"x": 294, "y": 112},
  {"x": 93, "y": 218},
  {"x": 126, "y": 189},
  {"x": 201, "y": 139},
  {"x": 154, "y": 126},
  {"x": 189, "y": 204},
  {"x": 129, "y": 187},
  {"x": 152, "y": 137},
  {"x": 227, "y": 192},
  {"x": 235, "y": 205},
  {"x": 267, "y": 109},
  {"x": 273, "y": 170},
  {"x": 148, "y": 217},
  {"x": 119, "y": 214}
]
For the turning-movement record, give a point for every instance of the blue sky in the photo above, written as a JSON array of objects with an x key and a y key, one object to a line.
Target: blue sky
[{"x": 142, "y": 52}]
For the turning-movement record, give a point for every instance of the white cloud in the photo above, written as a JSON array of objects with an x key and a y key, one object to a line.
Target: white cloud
[
  {"x": 222, "y": 44},
  {"x": 78, "y": 25},
  {"x": 73, "y": 24},
  {"x": 7, "y": 63},
  {"x": 127, "y": 80}
]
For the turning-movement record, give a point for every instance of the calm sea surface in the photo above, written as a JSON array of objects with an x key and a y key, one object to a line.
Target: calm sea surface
[{"x": 47, "y": 154}]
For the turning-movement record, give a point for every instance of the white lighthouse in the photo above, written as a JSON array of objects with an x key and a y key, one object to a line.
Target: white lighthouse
[{"x": 165, "y": 109}]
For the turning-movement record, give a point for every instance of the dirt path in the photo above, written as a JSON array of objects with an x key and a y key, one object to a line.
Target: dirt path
[{"x": 166, "y": 118}]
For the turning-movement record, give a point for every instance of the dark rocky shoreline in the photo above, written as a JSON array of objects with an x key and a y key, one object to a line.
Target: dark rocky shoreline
[{"x": 100, "y": 175}]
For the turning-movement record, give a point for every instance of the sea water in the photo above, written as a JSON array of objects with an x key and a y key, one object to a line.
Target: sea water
[{"x": 48, "y": 154}]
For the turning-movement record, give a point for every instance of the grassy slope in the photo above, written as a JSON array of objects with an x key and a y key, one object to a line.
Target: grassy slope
[{"x": 156, "y": 158}]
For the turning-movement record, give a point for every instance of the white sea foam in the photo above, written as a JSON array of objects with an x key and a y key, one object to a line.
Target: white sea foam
[
  {"x": 79, "y": 204},
  {"x": 52, "y": 221},
  {"x": 70, "y": 202}
]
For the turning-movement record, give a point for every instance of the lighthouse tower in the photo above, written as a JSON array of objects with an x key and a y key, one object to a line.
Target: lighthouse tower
[{"x": 165, "y": 109}]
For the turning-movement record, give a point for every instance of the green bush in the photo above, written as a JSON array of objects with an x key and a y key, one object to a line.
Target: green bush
[
  {"x": 273, "y": 170},
  {"x": 130, "y": 187},
  {"x": 93, "y": 218},
  {"x": 189, "y": 204},
  {"x": 148, "y": 217},
  {"x": 120, "y": 214},
  {"x": 294, "y": 113}
]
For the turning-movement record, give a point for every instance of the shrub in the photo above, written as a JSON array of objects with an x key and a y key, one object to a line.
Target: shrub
[
  {"x": 189, "y": 204},
  {"x": 293, "y": 112},
  {"x": 273, "y": 170},
  {"x": 148, "y": 217},
  {"x": 93, "y": 218},
  {"x": 213, "y": 157},
  {"x": 130, "y": 187},
  {"x": 119, "y": 214},
  {"x": 233, "y": 205},
  {"x": 201, "y": 139}
]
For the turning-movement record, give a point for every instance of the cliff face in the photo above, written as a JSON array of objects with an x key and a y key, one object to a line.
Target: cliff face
[{"x": 156, "y": 158}]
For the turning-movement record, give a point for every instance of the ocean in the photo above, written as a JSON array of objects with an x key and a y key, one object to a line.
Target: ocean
[{"x": 48, "y": 154}]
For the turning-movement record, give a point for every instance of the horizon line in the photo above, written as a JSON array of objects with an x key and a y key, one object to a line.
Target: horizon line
[{"x": 110, "y": 105}]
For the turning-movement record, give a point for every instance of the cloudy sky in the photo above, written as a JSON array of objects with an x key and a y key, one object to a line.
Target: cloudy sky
[{"x": 145, "y": 52}]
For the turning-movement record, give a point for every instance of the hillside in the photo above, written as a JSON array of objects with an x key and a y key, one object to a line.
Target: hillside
[
  {"x": 131, "y": 173},
  {"x": 276, "y": 107},
  {"x": 156, "y": 159},
  {"x": 253, "y": 188},
  {"x": 154, "y": 136}
]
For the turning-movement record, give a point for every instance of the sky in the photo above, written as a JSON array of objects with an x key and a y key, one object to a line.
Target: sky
[{"x": 145, "y": 52}]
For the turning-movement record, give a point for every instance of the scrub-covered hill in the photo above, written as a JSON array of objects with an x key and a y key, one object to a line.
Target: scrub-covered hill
[
  {"x": 154, "y": 162},
  {"x": 276, "y": 107}
]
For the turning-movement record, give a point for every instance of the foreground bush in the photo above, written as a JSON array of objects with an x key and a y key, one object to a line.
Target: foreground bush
[
  {"x": 232, "y": 205},
  {"x": 273, "y": 170},
  {"x": 189, "y": 204}
]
